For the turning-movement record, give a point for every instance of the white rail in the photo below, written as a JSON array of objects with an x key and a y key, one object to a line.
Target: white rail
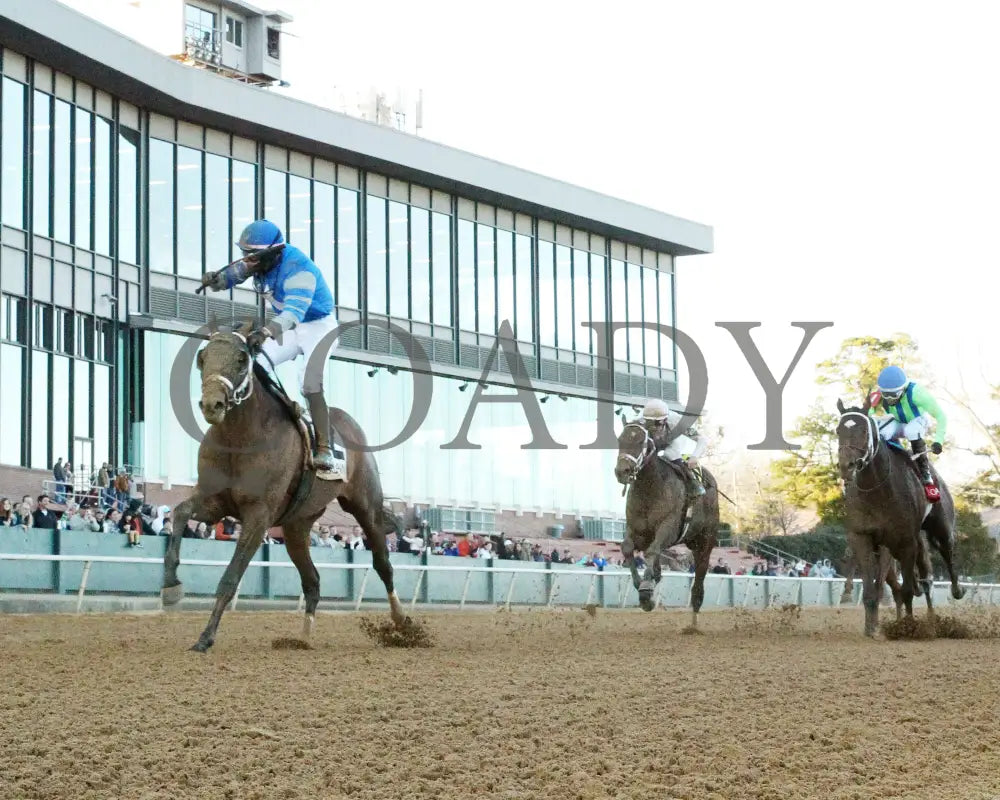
[{"x": 981, "y": 593}]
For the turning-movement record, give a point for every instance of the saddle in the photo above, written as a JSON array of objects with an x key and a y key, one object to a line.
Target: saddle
[{"x": 303, "y": 422}]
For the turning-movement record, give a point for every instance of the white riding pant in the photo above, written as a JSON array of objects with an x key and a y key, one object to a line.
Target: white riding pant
[
  {"x": 685, "y": 447},
  {"x": 302, "y": 340},
  {"x": 891, "y": 428}
]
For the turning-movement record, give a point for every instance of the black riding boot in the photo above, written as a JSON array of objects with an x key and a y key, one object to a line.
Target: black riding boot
[
  {"x": 693, "y": 484},
  {"x": 920, "y": 456},
  {"x": 324, "y": 458}
]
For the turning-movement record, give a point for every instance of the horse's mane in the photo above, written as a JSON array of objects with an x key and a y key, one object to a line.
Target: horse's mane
[{"x": 271, "y": 387}]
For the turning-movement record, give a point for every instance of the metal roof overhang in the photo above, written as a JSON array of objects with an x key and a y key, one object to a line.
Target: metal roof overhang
[{"x": 78, "y": 45}]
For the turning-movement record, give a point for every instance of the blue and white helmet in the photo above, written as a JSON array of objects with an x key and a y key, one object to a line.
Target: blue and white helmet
[
  {"x": 259, "y": 235},
  {"x": 891, "y": 382}
]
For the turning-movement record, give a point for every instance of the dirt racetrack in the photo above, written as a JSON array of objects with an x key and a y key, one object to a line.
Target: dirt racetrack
[{"x": 523, "y": 704}]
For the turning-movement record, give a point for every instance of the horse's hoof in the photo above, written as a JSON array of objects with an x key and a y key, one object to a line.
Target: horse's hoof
[
  {"x": 200, "y": 647},
  {"x": 172, "y": 595},
  {"x": 958, "y": 593}
]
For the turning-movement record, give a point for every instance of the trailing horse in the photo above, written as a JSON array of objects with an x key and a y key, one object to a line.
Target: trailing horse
[
  {"x": 887, "y": 510},
  {"x": 254, "y": 465},
  {"x": 659, "y": 514}
]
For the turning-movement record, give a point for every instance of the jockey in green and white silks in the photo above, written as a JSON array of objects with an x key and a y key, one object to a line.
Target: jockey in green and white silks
[
  {"x": 304, "y": 309},
  {"x": 908, "y": 410},
  {"x": 684, "y": 450}
]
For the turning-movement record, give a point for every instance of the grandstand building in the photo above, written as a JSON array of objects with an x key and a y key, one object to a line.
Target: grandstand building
[{"x": 126, "y": 174}]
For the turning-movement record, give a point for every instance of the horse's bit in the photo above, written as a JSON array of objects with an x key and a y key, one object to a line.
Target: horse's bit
[
  {"x": 236, "y": 395},
  {"x": 872, "y": 445},
  {"x": 648, "y": 448}
]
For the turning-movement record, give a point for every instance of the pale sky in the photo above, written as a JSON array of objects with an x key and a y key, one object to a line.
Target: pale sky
[{"x": 846, "y": 155}]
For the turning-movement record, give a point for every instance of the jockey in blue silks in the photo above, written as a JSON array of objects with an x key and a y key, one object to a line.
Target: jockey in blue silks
[{"x": 304, "y": 310}]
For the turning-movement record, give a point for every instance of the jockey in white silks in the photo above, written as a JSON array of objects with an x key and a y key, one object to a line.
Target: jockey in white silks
[{"x": 684, "y": 450}]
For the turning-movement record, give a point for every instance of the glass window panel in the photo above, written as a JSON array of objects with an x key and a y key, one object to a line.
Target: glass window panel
[
  {"x": 523, "y": 290},
  {"x": 546, "y": 294},
  {"x": 505, "y": 278},
  {"x": 102, "y": 186},
  {"x": 12, "y": 154},
  {"x": 466, "y": 288},
  {"x": 11, "y": 418},
  {"x": 41, "y": 157},
  {"x": 189, "y": 212},
  {"x": 299, "y": 231},
  {"x": 40, "y": 410},
  {"x": 618, "y": 310},
  {"x": 649, "y": 298},
  {"x": 82, "y": 144},
  {"x": 161, "y": 205},
  {"x": 486, "y": 280},
  {"x": 244, "y": 201},
  {"x": 275, "y": 198},
  {"x": 347, "y": 248},
  {"x": 59, "y": 409},
  {"x": 597, "y": 297},
  {"x": 86, "y": 340},
  {"x": 667, "y": 360},
  {"x": 564, "y": 297},
  {"x": 128, "y": 204},
  {"x": 420, "y": 264},
  {"x": 81, "y": 401},
  {"x": 102, "y": 413},
  {"x": 377, "y": 255},
  {"x": 634, "y": 310},
  {"x": 324, "y": 235},
  {"x": 62, "y": 177},
  {"x": 399, "y": 268},
  {"x": 218, "y": 242},
  {"x": 581, "y": 299},
  {"x": 441, "y": 267}
]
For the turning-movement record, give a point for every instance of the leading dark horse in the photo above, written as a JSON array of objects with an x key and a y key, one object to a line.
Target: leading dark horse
[
  {"x": 886, "y": 508},
  {"x": 655, "y": 514},
  {"x": 249, "y": 467}
]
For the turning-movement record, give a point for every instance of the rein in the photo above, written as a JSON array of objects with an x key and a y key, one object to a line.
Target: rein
[
  {"x": 873, "y": 444},
  {"x": 235, "y": 395}
]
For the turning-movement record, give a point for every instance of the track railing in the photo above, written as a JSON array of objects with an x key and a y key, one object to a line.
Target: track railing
[{"x": 609, "y": 588}]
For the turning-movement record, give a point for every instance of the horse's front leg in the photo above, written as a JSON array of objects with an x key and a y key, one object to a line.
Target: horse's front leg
[
  {"x": 871, "y": 583},
  {"x": 628, "y": 554},
  {"x": 256, "y": 520},
  {"x": 654, "y": 570},
  {"x": 907, "y": 568},
  {"x": 203, "y": 509}
]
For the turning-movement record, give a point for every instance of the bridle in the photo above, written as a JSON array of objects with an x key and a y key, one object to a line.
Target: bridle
[
  {"x": 235, "y": 395},
  {"x": 639, "y": 461},
  {"x": 873, "y": 443}
]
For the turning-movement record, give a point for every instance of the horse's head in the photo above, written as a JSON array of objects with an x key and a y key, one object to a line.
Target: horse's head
[
  {"x": 857, "y": 439},
  {"x": 635, "y": 446},
  {"x": 226, "y": 374}
]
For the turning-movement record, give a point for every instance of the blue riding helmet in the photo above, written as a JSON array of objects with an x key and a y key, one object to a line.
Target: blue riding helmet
[
  {"x": 259, "y": 234},
  {"x": 892, "y": 382}
]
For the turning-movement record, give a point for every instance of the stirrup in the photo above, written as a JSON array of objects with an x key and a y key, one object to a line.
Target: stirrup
[{"x": 329, "y": 467}]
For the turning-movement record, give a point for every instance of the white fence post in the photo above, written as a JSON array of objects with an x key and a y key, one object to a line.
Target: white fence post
[
  {"x": 590, "y": 591},
  {"x": 465, "y": 589},
  {"x": 510, "y": 590},
  {"x": 361, "y": 591},
  {"x": 552, "y": 589},
  {"x": 416, "y": 590},
  {"x": 83, "y": 587}
]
